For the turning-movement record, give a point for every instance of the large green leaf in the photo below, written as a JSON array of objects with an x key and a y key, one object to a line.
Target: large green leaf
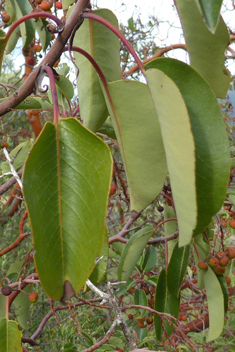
[
  {"x": 22, "y": 305},
  {"x": 12, "y": 41},
  {"x": 104, "y": 47},
  {"x": 165, "y": 303},
  {"x": 132, "y": 252},
  {"x": 10, "y": 336},
  {"x": 179, "y": 147},
  {"x": 210, "y": 10},
  {"x": 176, "y": 269},
  {"x": 210, "y": 138},
  {"x": 139, "y": 136},
  {"x": 67, "y": 177},
  {"x": 27, "y": 30},
  {"x": 66, "y": 87},
  {"x": 140, "y": 299},
  {"x": 215, "y": 304},
  {"x": 206, "y": 50}
]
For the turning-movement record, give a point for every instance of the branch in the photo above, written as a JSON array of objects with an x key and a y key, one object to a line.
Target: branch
[{"x": 53, "y": 55}]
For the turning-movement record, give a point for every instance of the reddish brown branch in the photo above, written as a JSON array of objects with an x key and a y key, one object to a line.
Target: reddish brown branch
[{"x": 14, "y": 244}]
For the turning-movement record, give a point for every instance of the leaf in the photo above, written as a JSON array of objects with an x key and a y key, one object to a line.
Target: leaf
[
  {"x": 20, "y": 158},
  {"x": 177, "y": 269},
  {"x": 150, "y": 259},
  {"x": 210, "y": 139},
  {"x": 206, "y": 50},
  {"x": 28, "y": 104},
  {"x": 203, "y": 250},
  {"x": 165, "y": 303},
  {"x": 44, "y": 34},
  {"x": 139, "y": 137},
  {"x": 211, "y": 12},
  {"x": 68, "y": 178},
  {"x": 140, "y": 299},
  {"x": 215, "y": 304},
  {"x": 10, "y": 336},
  {"x": 99, "y": 271},
  {"x": 103, "y": 45},
  {"x": 12, "y": 41},
  {"x": 3, "y": 306},
  {"x": 22, "y": 305},
  {"x": 132, "y": 252},
  {"x": 224, "y": 288},
  {"x": 66, "y": 87},
  {"x": 2, "y": 46},
  {"x": 22, "y": 8},
  {"x": 179, "y": 148},
  {"x": 67, "y": 3},
  {"x": 170, "y": 228}
]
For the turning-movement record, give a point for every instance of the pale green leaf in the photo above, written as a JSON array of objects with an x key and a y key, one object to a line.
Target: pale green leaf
[
  {"x": 44, "y": 34},
  {"x": 104, "y": 47},
  {"x": 10, "y": 336},
  {"x": 179, "y": 147},
  {"x": 170, "y": 228},
  {"x": 22, "y": 305},
  {"x": 66, "y": 87},
  {"x": 67, "y": 176},
  {"x": 12, "y": 41},
  {"x": 24, "y": 148},
  {"x": 99, "y": 271},
  {"x": 210, "y": 138},
  {"x": 139, "y": 136},
  {"x": 132, "y": 252},
  {"x": 215, "y": 304},
  {"x": 206, "y": 50},
  {"x": 177, "y": 269}
]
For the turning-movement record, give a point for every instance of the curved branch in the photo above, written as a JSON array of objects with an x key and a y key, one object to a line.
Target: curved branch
[{"x": 53, "y": 55}]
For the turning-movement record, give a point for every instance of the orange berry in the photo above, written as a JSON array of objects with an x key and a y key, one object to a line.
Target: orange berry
[
  {"x": 220, "y": 255},
  {"x": 213, "y": 261},
  {"x": 224, "y": 261},
  {"x": 45, "y": 6},
  {"x": 131, "y": 290},
  {"x": 231, "y": 253},
  {"x": 219, "y": 270},
  {"x": 232, "y": 224},
  {"x": 31, "y": 62},
  {"x": 59, "y": 5},
  {"x": 130, "y": 316},
  {"x": 227, "y": 279},
  {"x": 112, "y": 190},
  {"x": 202, "y": 265},
  {"x": 141, "y": 325},
  {"x": 6, "y": 18},
  {"x": 4, "y": 144},
  {"x": 184, "y": 318},
  {"x": 37, "y": 48},
  {"x": 33, "y": 297}
]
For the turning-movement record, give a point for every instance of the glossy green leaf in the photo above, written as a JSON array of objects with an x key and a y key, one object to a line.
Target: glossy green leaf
[
  {"x": 210, "y": 139},
  {"x": 44, "y": 34},
  {"x": 150, "y": 259},
  {"x": 27, "y": 104},
  {"x": 170, "y": 228},
  {"x": 215, "y": 304},
  {"x": 2, "y": 45},
  {"x": 10, "y": 336},
  {"x": 3, "y": 306},
  {"x": 22, "y": 8},
  {"x": 22, "y": 305},
  {"x": 206, "y": 50},
  {"x": 203, "y": 250},
  {"x": 177, "y": 269},
  {"x": 165, "y": 303},
  {"x": 179, "y": 147},
  {"x": 138, "y": 133},
  {"x": 66, "y": 87},
  {"x": 104, "y": 47},
  {"x": 99, "y": 271},
  {"x": 224, "y": 288},
  {"x": 132, "y": 252},
  {"x": 12, "y": 41},
  {"x": 210, "y": 10},
  {"x": 140, "y": 299},
  {"x": 68, "y": 178},
  {"x": 22, "y": 149}
]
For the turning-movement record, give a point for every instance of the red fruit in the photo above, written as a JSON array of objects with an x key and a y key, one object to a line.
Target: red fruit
[
  {"x": 33, "y": 297},
  {"x": 4, "y": 144},
  {"x": 213, "y": 261},
  {"x": 219, "y": 270},
  {"x": 31, "y": 62},
  {"x": 112, "y": 190},
  {"x": 56, "y": 63},
  {"x": 232, "y": 224},
  {"x": 149, "y": 320},
  {"x": 224, "y": 261},
  {"x": 45, "y": 5},
  {"x": 130, "y": 316},
  {"x": 37, "y": 48},
  {"x": 220, "y": 255},
  {"x": 184, "y": 318},
  {"x": 6, "y": 18},
  {"x": 6, "y": 290},
  {"x": 58, "y": 5},
  {"x": 202, "y": 265},
  {"x": 230, "y": 253},
  {"x": 131, "y": 290},
  {"x": 141, "y": 325},
  {"x": 227, "y": 279}
]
